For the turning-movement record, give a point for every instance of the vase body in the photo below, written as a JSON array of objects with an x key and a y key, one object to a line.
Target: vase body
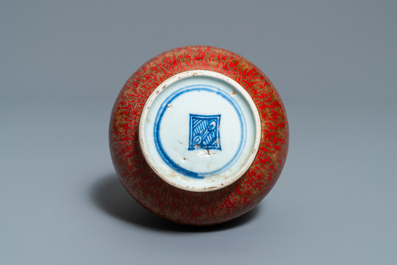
[{"x": 198, "y": 135}]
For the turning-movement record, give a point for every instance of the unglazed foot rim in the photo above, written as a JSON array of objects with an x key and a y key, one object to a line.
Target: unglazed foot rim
[{"x": 199, "y": 131}]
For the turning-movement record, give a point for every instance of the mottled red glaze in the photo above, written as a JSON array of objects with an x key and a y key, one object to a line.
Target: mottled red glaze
[{"x": 197, "y": 208}]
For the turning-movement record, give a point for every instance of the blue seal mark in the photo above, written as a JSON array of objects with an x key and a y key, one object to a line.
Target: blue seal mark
[
  {"x": 204, "y": 132},
  {"x": 164, "y": 107}
]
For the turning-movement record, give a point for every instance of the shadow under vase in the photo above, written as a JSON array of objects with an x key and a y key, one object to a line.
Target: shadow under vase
[{"x": 109, "y": 195}]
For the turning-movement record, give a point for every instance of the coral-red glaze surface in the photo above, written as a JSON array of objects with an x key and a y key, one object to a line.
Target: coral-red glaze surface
[{"x": 182, "y": 206}]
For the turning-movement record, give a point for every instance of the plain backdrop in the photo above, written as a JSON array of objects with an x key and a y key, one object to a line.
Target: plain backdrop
[{"x": 62, "y": 64}]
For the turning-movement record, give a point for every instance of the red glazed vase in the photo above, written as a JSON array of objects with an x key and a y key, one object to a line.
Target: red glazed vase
[{"x": 198, "y": 135}]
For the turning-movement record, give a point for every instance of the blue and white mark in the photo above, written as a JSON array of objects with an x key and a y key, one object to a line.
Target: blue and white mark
[
  {"x": 210, "y": 141},
  {"x": 204, "y": 132}
]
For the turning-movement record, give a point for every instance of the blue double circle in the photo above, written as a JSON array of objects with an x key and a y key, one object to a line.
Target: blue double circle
[{"x": 157, "y": 124}]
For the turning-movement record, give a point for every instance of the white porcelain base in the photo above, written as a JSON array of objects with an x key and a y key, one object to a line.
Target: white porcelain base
[{"x": 199, "y": 131}]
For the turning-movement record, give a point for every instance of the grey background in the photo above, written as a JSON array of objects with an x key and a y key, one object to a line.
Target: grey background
[{"x": 62, "y": 64}]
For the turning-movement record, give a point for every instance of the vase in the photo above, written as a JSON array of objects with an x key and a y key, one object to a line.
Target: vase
[{"x": 198, "y": 135}]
